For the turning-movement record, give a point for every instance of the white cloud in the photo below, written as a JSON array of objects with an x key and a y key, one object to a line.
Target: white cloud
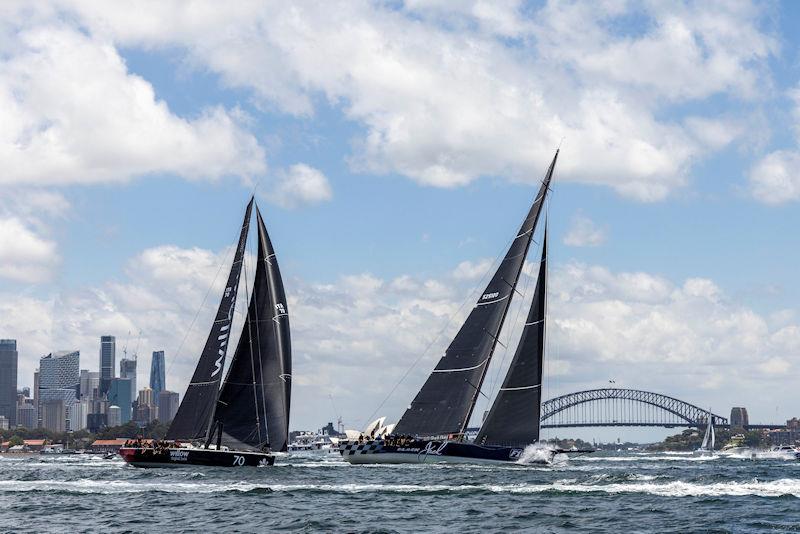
[
  {"x": 300, "y": 184},
  {"x": 775, "y": 178},
  {"x": 25, "y": 256},
  {"x": 355, "y": 336},
  {"x": 444, "y": 99},
  {"x": 583, "y": 232},
  {"x": 467, "y": 270},
  {"x": 70, "y": 112}
]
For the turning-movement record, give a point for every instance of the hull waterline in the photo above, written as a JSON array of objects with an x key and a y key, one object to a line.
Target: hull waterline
[
  {"x": 184, "y": 457},
  {"x": 425, "y": 451}
]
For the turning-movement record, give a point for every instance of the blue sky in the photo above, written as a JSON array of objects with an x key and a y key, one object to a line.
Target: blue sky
[{"x": 393, "y": 150}]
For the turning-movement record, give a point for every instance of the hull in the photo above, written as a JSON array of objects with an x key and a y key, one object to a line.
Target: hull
[
  {"x": 426, "y": 451},
  {"x": 182, "y": 457}
]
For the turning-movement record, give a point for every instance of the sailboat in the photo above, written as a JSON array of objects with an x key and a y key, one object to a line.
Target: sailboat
[
  {"x": 241, "y": 420},
  {"x": 707, "y": 447},
  {"x": 433, "y": 427}
]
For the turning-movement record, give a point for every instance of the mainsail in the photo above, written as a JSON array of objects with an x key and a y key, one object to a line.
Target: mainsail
[
  {"x": 194, "y": 414},
  {"x": 253, "y": 406},
  {"x": 708, "y": 438},
  {"x": 513, "y": 419},
  {"x": 445, "y": 402}
]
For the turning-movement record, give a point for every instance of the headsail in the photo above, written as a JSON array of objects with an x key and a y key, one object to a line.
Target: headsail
[
  {"x": 194, "y": 413},
  {"x": 253, "y": 405},
  {"x": 445, "y": 402},
  {"x": 513, "y": 419}
]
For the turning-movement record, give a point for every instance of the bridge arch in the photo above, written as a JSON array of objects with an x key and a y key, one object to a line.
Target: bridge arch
[{"x": 622, "y": 407}]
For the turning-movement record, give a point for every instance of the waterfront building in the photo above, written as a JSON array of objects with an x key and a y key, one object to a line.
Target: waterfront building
[
  {"x": 27, "y": 415},
  {"x": 90, "y": 384},
  {"x": 79, "y": 414},
  {"x": 157, "y": 378},
  {"x": 36, "y": 397},
  {"x": 144, "y": 414},
  {"x": 108, "y": 353},
  {"x": 739, "y": 418},
  {"x": 59, "y": 380},
  {"x": 127, "y": 369},
  {"x": 96, "y": 422},
  {"x": 8, "y": 380},
  {"x": 114, "y": 415},
  {"x": 54, "y": 415},
  {"x": 168, "y": 402},
  {"x": 119, "y": 394},
  {"x": 3, "y": 422}
]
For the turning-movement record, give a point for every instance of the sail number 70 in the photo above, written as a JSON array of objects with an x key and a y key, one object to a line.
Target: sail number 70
[{"x": 238, "y": 460}]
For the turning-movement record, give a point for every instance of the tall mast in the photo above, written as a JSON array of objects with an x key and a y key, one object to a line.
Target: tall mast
[
  {"x": 195, "y": 412},
  {"x": 445, "y": 403}
]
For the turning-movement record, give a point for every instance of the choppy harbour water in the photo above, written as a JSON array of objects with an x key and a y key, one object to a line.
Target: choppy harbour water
[{"x": 602, "y": 492}]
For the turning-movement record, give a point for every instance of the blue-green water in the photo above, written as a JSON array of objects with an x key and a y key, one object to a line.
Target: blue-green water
[{"x": 617, "y": 492}]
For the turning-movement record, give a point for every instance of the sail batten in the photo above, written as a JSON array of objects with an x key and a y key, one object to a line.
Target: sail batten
[
  {"x": 446, "y": 401},
  {"x": 196, "y": 409},
  {"x": 513, "y": 419}
]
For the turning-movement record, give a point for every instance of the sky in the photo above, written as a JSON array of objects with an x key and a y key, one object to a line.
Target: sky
[{"x": 394, "y": 148}]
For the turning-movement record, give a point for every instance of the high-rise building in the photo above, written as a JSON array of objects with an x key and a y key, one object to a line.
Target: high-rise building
[
  {"x": 108, "y": 354},
  {"x": 146, "y": 397},
  {"x": 3, "y": 422},
  {"x": 127, "y": 369},
  {"x": 119, "y": 394},
  {"x": 8, "y": 380},
  {"x": 79, "y": 414},
  {"x": 114, "y": 415},
  {"x": 739, "y": 418},
  {"x": 157, "y": 379},
  {"x": 59, "y": 379},
  {"x": 90, "y": 384},
  {"x": 36, "y": 397},
  {"x": 144, "y": 414},
  {"x": 54, "y": 415},
  {"x": 168, "y": 402},
  {"x": 26, "y": 415}
]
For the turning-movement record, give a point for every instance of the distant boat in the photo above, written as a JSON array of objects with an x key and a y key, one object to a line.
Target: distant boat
[
  {"x": 433, "y": 427},
  {"x": 248, "y": 412},
  {"x": 707, "y": 447}
]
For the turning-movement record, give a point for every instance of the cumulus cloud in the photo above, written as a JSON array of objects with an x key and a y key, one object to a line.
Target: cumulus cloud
[
  {"x": 70, "y": 112},
  {"x": 583, "y": 232},
  {"x": 355, "y": 336},
  {"x": 298, "y": 185},
  {"x": 775, "y": 178},
  {"x": 25, "y": 256},
  {"x": 444, "y": 99}
]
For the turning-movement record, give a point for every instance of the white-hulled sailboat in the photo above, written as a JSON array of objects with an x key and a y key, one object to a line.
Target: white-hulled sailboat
[{"x": 707, "y": 447}]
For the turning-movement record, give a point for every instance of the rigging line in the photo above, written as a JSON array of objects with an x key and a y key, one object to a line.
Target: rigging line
[
  {"x": 514, "y": 324},
  {"x": 258, "y": 337},
  {"x": 470, "y": 297},
  {"x": 174, "y": 355},
  {"x": 267, "y": 266}
]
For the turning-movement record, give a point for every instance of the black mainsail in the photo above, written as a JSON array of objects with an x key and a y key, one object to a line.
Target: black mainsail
[
  {"x": 444, "y": 404},
  {"x": 513, "y": 419},
  {"x": 194, "y": 414},
  {"x": 253, "y": 406}
]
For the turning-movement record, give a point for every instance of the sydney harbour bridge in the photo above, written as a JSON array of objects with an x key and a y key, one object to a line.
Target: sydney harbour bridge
[{"x": 629, "y": 408}]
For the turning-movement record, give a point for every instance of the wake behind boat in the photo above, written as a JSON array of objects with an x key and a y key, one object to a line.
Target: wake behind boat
[
  {"x": 433, "y": 427},
  {"x": 247, "y": 414}
]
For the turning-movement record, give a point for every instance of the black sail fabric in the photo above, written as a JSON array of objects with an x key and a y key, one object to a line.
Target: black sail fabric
[
  {"x": 253, "y": 406},
  {"x": 196, "y": 409},
  {"x": 513, "y": 419},
  {"x": 444, "y": 404}
]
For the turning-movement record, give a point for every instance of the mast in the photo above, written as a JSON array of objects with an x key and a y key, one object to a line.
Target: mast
[
  {"x": 194, "y": 414},
  {"x": 254, "y": 402},
  {"x": 444, "y": 404},
  {"x": 513, "y": 419}
]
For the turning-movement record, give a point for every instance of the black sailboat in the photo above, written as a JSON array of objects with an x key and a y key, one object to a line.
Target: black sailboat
[
  {"x": 248, "y": 411},
  {"x": 433, "y": 426}
]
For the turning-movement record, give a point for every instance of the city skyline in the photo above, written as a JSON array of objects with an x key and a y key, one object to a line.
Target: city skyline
[{"x": 391, "y": 173}]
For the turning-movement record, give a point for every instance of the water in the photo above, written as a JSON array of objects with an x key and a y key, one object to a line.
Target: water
[{"x": 602, "y": 492}]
